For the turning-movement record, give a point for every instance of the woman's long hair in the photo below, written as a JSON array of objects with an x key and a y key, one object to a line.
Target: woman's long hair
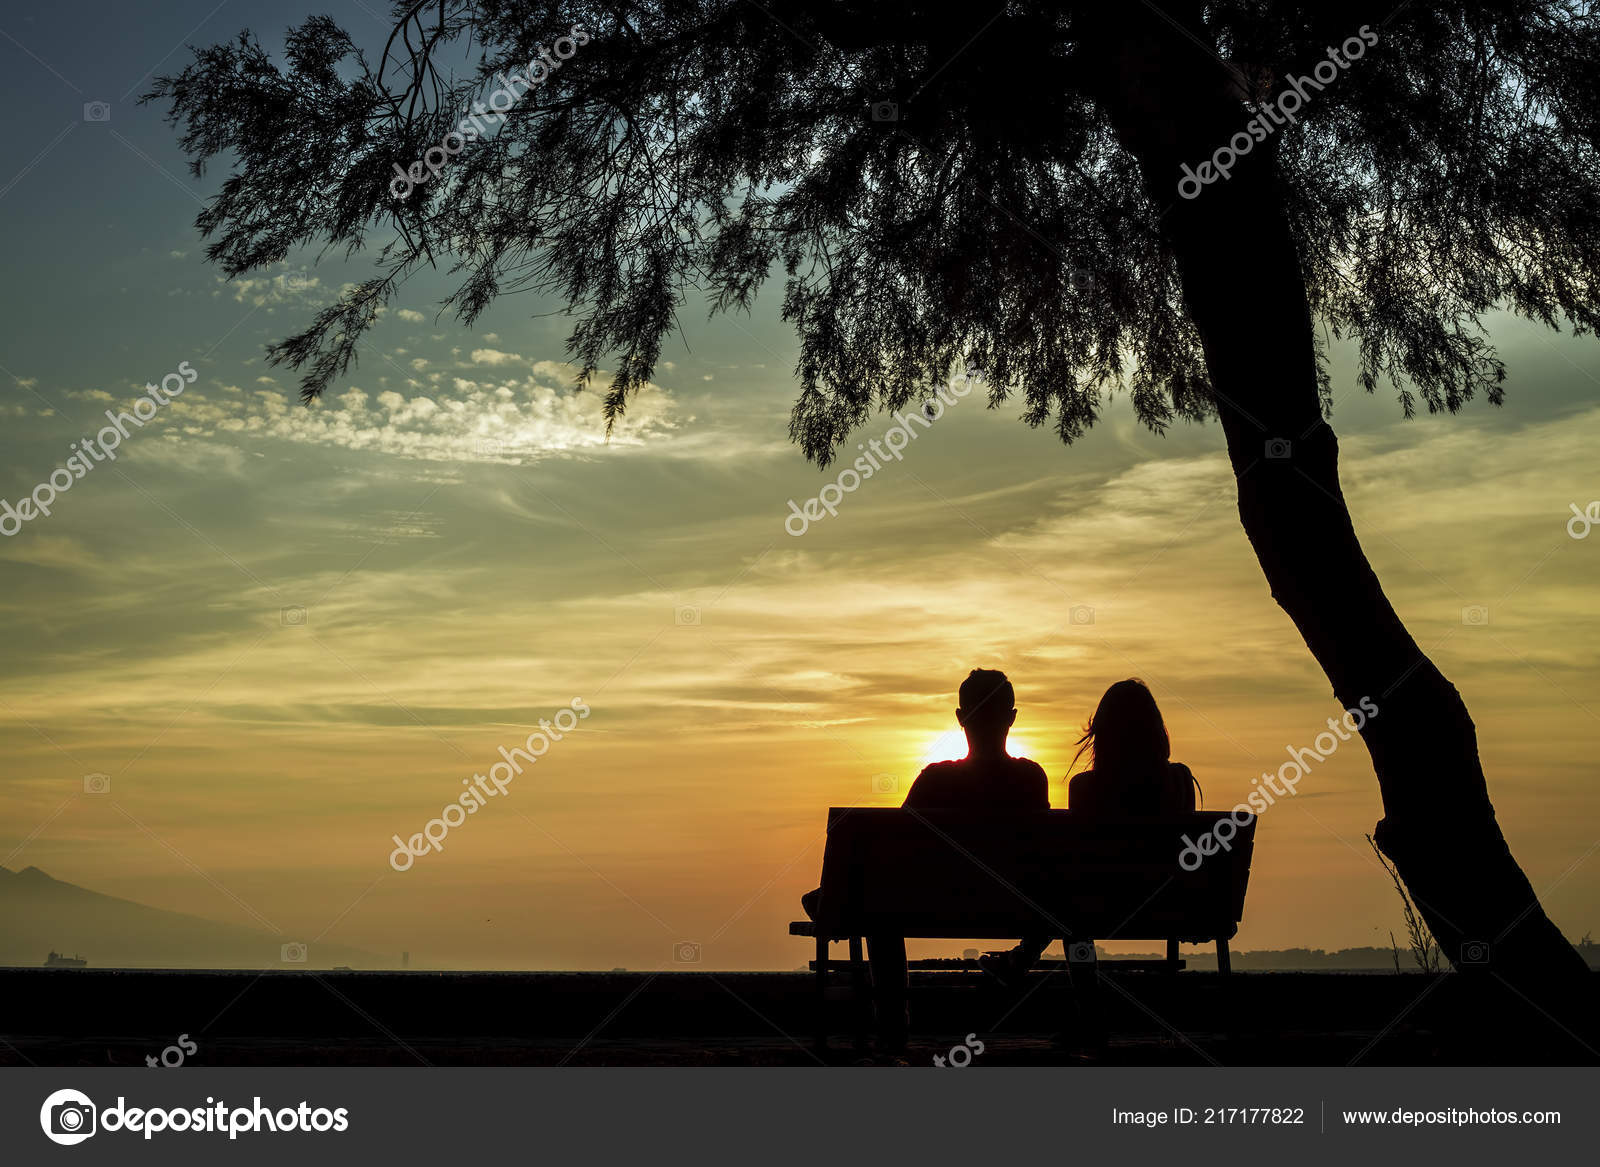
[{"x": 1127, "y": 738}]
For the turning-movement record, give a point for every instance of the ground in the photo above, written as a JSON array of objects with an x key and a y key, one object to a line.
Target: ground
[{"x": 304, "y": 1017}]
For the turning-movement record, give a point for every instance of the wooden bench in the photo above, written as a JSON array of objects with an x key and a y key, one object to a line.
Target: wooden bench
[{"x": 954, "y": 875}]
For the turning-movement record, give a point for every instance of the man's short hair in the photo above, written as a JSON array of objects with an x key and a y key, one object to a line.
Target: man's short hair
[{"x": 986, "y": 694}]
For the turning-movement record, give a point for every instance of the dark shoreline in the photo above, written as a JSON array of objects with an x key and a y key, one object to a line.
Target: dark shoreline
[{"x": 312, "y": 1017}]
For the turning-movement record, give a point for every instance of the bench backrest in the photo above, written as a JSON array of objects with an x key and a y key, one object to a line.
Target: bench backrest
[{"x": 956, "y": 875}]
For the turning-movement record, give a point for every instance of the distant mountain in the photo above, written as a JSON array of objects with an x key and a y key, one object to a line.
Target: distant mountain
[
  {"x": 39, "y": 915},
  {"x": 1316, "y": 959},
  {"x": 1308, "y": 960}
]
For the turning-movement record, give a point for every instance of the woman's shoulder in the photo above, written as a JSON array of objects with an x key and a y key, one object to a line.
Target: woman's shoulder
[
  {"x": 1172, "y": 767},
  {"x": 1184, "y": 784},
  {"x": 1083, "y": 782},
  {"x": 1081, "y": 790},
  {"x": 1088, "y": 784}
]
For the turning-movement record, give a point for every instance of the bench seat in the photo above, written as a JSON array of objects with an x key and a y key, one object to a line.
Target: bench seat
[{"x": 953, "y": 875}]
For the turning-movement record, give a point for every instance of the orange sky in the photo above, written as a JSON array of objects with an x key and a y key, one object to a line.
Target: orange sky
[{"x": 741, "y": 679}]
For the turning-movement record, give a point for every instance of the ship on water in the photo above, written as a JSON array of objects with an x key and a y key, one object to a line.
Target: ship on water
[{"x": 57, "y": 960}]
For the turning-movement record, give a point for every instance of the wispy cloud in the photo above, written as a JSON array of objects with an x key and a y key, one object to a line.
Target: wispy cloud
[{"x": 485, "y": 420}]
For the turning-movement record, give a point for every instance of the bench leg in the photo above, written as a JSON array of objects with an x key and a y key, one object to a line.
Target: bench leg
[
  {"x": 1172, "y": 955},
  {"x": 821, "y": 1022},
  {"x": 891, "y": 989},
  {"x": 1224, "y": 964},
  {"x": 1084, "y": 976},
  {"x": 860, "y": 994}
]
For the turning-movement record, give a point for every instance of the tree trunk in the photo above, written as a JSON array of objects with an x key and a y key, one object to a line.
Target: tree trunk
[{"x": 1170, "y": 104}]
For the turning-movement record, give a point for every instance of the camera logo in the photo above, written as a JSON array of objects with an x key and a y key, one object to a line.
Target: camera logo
[
  {"x": 1475, "y": 616},
  {"x": 1279, "y": 448},
  {"x": 67, "y": 1117},
  {"x": 1082, "y": 952},
  {"x": 1080, "y": 614},
  {"x": 97, "y": 111},
  {"x": 1082, "y": 279},
  {"x": 292, "y": 617},
  {"x": 292, "y": 953},
  {"x": 1474, "y": 952},
  {"x": 884, "y": 784},
  {"x": 686, "y": 952},
  {"x": 885, "y": 111},
  {"x": 297, "y": 281},
  {"x": 686, "y": 616},
  {"x": 97, "y": 783}
]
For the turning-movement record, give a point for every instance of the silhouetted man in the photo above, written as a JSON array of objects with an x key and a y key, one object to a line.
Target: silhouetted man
[{"x": 987, "y": 779}]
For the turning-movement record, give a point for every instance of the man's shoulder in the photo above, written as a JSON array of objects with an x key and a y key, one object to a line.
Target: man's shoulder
[
  {"x": 934, "y": 785},
  {"x": 1029, "y": 767},
  {"x": 962, "y": 769},
  {"x": 937, "y": 773}
]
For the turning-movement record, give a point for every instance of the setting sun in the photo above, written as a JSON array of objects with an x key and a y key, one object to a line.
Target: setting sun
[{"x": 952, "y": 744}]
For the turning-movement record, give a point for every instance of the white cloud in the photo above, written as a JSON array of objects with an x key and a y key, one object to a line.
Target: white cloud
[
  {"x": 512, "y": 421},
  {"x": 296, "y": 286},
  {"x": 493, "y": 356},
  {"x": 411, "y": 315},
  {"x": 192, "y": 453}
]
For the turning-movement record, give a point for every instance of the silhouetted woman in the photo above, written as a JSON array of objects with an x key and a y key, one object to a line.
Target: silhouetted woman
[{"x": 1131, "y": 773}]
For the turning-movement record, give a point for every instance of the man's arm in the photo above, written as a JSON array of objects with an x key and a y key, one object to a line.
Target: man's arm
[
  {"x": 924, "y": 791},
  {"x": 1039, "y": 787}
]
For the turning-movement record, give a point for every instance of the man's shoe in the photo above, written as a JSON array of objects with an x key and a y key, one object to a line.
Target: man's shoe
[{"x": 1003, "y": 968}]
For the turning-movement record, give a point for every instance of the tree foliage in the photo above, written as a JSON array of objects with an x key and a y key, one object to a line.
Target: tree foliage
[{"x": 935, "y": 184}]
